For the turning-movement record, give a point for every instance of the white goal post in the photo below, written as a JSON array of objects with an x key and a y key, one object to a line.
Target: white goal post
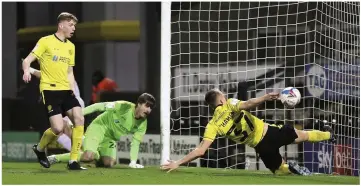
[
  {"x": 165, "y": 92},
  {"x": 250, "y": 48}
]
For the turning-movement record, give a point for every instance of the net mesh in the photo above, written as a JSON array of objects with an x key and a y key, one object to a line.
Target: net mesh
[{"x": 247, "y": 49}]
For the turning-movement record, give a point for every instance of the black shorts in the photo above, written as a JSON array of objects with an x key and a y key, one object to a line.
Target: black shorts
[
  {"x": 58, "y": 101},
  {"x": 268, "y": 147}
]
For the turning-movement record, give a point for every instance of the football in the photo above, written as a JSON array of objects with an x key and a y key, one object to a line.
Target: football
[{"x": 290, "y": 97}]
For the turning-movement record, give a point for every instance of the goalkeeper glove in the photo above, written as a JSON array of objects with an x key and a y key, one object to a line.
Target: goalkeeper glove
[{"x": 133, "y": 164}]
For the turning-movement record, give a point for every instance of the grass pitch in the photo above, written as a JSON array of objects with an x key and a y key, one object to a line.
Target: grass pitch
[{"x": 32, "y": 173}]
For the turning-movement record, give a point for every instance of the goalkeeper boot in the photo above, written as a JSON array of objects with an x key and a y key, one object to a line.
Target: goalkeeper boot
[
  {"x": 332, "y": 133},
  {"x": 52, "y": 159},
  {"x": 75, "y": 166},
  {"x": 43, "y": 160},
  {"x": 296, "y": 169}
]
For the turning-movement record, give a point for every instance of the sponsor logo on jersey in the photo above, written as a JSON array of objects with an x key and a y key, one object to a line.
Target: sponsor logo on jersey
[{"x": 55, "y": 58}]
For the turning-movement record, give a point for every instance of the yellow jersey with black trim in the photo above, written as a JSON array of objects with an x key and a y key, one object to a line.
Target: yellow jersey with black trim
[
  {"x": 237, "y": 125},
  {"x": 55, "y": 56}
]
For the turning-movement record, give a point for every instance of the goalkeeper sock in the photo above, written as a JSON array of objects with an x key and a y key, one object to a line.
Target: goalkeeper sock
[
  {"x": 77, "y": 138},
  {"x": 283, "y": 169},
  {"x": 47, "y": 137},
  {"x": 65, "y": 141},
  {"x": 66, "y": 157},
  {"x": 317, "y": 136}
]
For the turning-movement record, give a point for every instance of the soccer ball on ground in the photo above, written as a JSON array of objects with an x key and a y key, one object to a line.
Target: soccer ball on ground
[{"x": 290, "y": 97}]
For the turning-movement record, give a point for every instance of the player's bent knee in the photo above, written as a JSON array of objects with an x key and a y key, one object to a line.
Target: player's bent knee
[
  {"x": 57, "y": 130},
  {"x": 88, "y": 156},
  {"x": 302, "y": 136},
  {"x": 109, "y": 162},
  {"x": 79, "y": 120},
  {"x": 57, "y": 125}
]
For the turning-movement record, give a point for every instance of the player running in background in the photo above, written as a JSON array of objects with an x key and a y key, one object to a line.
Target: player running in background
[
  {"x": 232, "y": 120},
  {"x": 56, "y": 55},
  {"x": 119, "y": 118},
  {"x": 65, "y": 134}
]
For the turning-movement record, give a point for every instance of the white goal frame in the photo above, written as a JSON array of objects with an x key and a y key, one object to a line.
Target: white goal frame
[
  {"x": 165, "y": 80},
  {"x": 166, "y": 70}
]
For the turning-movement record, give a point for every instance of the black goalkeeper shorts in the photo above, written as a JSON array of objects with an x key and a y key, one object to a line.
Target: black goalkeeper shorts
[
  {"x": 268, "y": 147},
  {"x": 58, "y": 101}
]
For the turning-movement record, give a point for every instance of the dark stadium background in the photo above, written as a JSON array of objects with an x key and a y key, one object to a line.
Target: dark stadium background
[{"x": 134, "y": 72}]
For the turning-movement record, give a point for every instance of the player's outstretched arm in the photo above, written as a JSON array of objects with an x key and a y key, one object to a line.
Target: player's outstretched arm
[
  {"x": 134, "y": 148},
  {"x": 98, "y": 107},
  {"x": 254, "y": 102},
  {"x": 196, "y": 153}
]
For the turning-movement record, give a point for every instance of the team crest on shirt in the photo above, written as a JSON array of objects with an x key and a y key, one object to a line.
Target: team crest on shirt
[
  {"x": 70, "y": 52},
  {"x": 49, "y": 107}
]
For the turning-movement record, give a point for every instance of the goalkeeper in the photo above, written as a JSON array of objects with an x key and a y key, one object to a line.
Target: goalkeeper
[
  {"x": 232, "y": 120},
  {"x": 119, "y": 118}
]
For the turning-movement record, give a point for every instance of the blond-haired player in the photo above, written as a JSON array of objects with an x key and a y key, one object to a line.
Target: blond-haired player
[{"x": 56, "y": 55}]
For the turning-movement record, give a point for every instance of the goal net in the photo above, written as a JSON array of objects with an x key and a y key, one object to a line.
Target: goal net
[{"x": 247, "y": 49}]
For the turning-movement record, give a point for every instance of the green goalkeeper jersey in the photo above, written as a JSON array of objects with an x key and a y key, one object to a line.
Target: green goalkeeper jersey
[{"x": 118, "y": 118}]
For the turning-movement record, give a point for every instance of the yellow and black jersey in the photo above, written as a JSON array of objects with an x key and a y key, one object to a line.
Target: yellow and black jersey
[
  {"x": 237, "y": 125},
  {"x": 55, "y": 56}
]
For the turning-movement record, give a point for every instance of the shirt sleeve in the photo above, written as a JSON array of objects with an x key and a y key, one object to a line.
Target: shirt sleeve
[
  {"x": 234, "y": 104},
  {"x": 210, "y": 133},
  {"x": 39, "y": 48},
  {"x": 72, "y": 56},
  {"x": 99, "y": 107},
  {"x": 137, "y": 139}
]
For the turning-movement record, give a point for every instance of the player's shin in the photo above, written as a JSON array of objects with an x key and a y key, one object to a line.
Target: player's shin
[
  {"x": 77, "y": 137},
  {"x": 47, "y": 137},
  {"x": 317, "y": 136}
]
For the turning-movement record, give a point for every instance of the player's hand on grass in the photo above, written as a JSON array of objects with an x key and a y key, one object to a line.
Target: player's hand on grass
[
  {"x": 171, "y": 165},
  {"x": 272, "y": 96},
  {"x": 27, "y": 77},
  {"x": 134, "y": 165}
]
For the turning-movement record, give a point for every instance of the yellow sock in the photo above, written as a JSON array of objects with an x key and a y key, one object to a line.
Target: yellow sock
[
  {"x": 77, "y": 137},
  {"x": 47, "y": 137},
  {"x": 283, "y": 169},
  {"x": 317, "y": 136}
]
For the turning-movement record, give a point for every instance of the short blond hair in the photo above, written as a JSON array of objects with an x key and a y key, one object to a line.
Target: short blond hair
[{"x": 67, "y": 16}]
